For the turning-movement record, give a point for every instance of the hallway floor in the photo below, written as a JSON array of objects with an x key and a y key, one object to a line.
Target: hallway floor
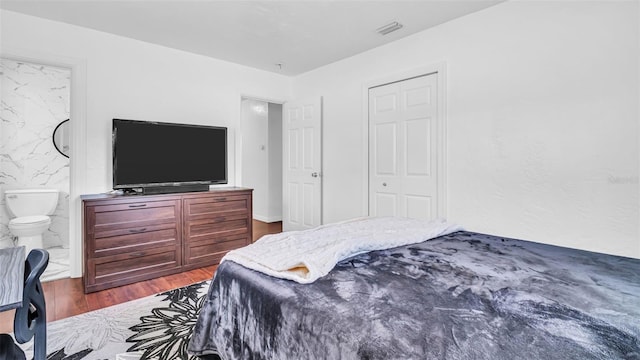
[{"x": 58, "y": 267}]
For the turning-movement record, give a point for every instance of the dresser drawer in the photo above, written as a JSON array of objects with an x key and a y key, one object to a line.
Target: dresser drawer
[
  {"x": 207, "y": 251},
  {"x": 135, "y": 240},
  {"x": 109, "y": 271},
  {"x": 216, "y": 207},
  {"x": 206, "y": 242},
  {"x": 130, "y": 227},
  {"x": 115, "y": 217},
  {"x": 215, "y": 217},
  {"x": 210, "y": 228},
  {"x": 214, "y": 225}
]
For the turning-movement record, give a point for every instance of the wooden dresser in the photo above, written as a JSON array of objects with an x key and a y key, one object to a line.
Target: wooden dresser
[{"x": 130, "y": 238}]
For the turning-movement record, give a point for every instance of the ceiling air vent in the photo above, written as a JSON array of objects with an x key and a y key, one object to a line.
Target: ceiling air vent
[{"x": 389, "y": 28}]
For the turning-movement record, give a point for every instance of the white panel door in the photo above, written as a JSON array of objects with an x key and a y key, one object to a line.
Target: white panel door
[
  {"x": 403, "y": 148},
  {"x": 302, "y": 164}
]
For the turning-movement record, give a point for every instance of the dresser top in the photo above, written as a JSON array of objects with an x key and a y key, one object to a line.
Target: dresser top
[{"x": 109, "y": 196}]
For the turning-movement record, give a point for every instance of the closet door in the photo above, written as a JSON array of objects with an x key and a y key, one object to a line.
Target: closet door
[{"x": 403, "y": 148}]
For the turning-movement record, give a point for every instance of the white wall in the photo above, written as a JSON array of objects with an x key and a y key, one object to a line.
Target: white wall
[
  {"x": 542, "y": 116},
  {"x": 131, "y": 79}
]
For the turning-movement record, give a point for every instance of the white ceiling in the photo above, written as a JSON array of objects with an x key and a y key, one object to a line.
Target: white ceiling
[{"x": 301, "y": 35}]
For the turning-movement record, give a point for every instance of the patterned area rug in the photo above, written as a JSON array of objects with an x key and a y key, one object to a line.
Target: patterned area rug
[{"x": 155, "y": 327}]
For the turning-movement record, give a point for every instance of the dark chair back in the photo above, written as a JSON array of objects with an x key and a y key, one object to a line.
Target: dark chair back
[{"x": 31, "y": 318}]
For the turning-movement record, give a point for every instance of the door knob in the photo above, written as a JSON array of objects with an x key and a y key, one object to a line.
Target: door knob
[
  {"x": 384, "y": 184},
  {"x": 314, "y": 174}
]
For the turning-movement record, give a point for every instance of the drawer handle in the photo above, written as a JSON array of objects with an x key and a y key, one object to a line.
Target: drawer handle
[
  {"x": 135, "y": 231},
  {"x": 221, "y": 199},
  {"x": 137, "y": 206},
  {"x": 137, "y": 254}
]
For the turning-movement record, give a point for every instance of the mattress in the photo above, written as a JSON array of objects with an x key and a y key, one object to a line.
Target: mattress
[{"x": 460, "y": 296}]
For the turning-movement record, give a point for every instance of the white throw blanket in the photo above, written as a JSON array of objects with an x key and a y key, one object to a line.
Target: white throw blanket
[{"x": 304, "y": 256}]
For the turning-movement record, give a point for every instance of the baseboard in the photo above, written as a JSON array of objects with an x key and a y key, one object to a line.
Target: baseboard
[{"x": 267, "y": 219}]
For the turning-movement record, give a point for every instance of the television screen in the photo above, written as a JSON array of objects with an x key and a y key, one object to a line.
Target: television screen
[{"x": 160, "y": 154}]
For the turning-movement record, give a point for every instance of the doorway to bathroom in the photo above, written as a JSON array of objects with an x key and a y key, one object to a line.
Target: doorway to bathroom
[
  {"x": 261, "y": 157},
  {"x": 35, "y": 102}
]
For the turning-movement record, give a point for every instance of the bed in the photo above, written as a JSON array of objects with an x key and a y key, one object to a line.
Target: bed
[{"x": 463, "y": 295}]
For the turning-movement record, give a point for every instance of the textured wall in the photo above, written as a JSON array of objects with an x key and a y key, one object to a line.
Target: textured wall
[
  {"x": 541, "y": 113},
  {"x": 35, "y": 99}
]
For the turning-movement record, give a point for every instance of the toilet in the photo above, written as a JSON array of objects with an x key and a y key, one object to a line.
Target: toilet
[{"x": 29, "y": 209}]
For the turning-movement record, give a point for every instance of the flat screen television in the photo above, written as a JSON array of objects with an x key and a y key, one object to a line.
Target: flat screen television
[{"x": 157, "y": 157}]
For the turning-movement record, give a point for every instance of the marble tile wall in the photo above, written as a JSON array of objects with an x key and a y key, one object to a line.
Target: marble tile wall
[{"x": 34, "y": 99}]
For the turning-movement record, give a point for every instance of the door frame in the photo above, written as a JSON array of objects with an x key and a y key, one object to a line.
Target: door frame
[
  {"x": 77, "y": 152},
  {"x": 440, "y": 69}
]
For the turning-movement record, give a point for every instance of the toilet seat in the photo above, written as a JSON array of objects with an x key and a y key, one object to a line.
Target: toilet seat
[{"x": 29, "y": 221}]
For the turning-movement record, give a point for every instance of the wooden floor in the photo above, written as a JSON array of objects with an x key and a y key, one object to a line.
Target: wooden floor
[{"x": 66, "y": 297}]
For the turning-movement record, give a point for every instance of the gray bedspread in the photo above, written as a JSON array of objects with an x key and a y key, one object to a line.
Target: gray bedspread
[{"x": 460, "y": 296}]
